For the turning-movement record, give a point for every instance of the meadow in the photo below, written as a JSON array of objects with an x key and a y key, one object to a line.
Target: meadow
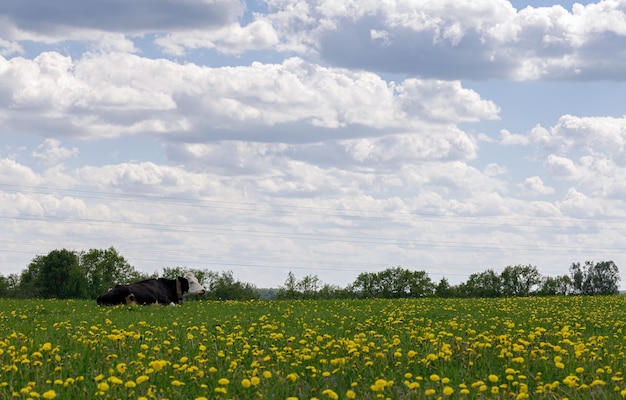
[{"x": 512, "y": 348}]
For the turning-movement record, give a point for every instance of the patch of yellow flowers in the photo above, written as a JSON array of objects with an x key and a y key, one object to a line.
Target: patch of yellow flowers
[{"x": 370, "y": 349}]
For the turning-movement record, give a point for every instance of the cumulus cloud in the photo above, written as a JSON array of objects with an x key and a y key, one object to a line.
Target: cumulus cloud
[
  {"x": 534, "y": 186},
  {"x": 39, "y": 18},
  {"x": 509, "y": 139},
  {"x": 115, "y": 94},
  {"x": 51, "y": 152},
  {"x": 455, "y": 40}
]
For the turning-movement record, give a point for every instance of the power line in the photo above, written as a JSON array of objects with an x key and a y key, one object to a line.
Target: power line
[
  {"x": 302, "y": 236},
  {"x": 354, "y": 213}
]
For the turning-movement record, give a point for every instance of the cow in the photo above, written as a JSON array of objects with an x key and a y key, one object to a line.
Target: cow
[{"x": 152, "y": 291}]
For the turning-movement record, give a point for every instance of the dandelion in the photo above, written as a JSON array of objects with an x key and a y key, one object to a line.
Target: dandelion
[
  {"x": 448, "y": 391},
  {"x": 245, "y": 382},
  {"x": 430, "y": 392},
  {"x": 331, "y": 394},
  {"x": 130, "y": 384},
  {"x": 177, "y": 383},
  {"x": 121, "y": 368},
  {"x": 223, "y": 381},
  {"x": 434, "y": 378},
  {"x": 50, "y": 394},
  {"x": 493, "y": 378},
  {"x": 103, "y": 386},
  {"x": 351, "y": 394},
  {"x": 255, "y": 380}
]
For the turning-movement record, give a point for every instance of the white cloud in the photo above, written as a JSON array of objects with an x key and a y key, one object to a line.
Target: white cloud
[
  {"x": 534, "y": 186},
  {"x": 561, "y": 167},
  {"x": 448, "y": 39},
  {"x": 230, "y": 39},
  {"x": 51, "y": 152},
  {"x": 114, "y": 94},
  {"x": 509, "y": 139}
]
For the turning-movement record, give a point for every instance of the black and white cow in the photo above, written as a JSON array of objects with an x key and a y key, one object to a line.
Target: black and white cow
[{"x": 152, "y": 291}]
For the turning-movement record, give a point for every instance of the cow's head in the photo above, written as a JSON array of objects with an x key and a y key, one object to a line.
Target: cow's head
[{"x": 194, "y": 286}]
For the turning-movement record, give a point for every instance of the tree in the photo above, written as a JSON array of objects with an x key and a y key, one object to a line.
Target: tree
[
  {"x": 290, "y": 288},
  {"x": 483, "y": 284},
  {"x": 365, "y": 285},
  {"x": 393, "y": 283},
  {"x": 590, "y": 279},
  {"x": 519, "y": 281},
  {"x": 555, "y": 286},
  {"x": 104, "y": 269},
  {"x": 308, "y": 286},
  {"x": 225, "y": 287},
  {"x": 61, "y": 276},
  {"x": 443, "y": 289}
]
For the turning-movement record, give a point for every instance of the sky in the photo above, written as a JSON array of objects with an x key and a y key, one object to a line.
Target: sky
[{"x": 315, "y": 137}]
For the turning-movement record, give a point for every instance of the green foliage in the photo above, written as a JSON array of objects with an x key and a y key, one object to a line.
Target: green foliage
[
  {"x": 67, "y": 274},
  {"x": 590, "y": 279},
  {"x": 555, "y": 286},
  {"x": 393, "y": 283},
  {"x": 104, "y": 269},
  {"x": 483, "y": 284},
  {"x": 223, "y": 286},
  {"x": 519, "y": 281}
]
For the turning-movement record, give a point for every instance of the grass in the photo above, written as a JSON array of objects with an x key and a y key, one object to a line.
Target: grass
[{"x": 552, "y": 348}]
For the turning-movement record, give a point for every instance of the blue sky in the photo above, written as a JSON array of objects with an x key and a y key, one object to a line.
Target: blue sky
[{"x": 319, "y": 137}]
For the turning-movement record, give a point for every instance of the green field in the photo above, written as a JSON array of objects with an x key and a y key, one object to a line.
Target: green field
[{"x": 553, "y": 348}]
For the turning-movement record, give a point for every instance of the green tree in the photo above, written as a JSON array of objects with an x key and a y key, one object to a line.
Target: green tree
[
  {"x": 443, "y": 289},
  {"x": 61, "y": 276},
  {"x": 519, "y": 281},
  {"x": 483, "y": 284},
  {"x": 555, "y": 286},
  {"x": 289, "y": 290},
  {"x": 225, "y": 287},
  {"x": 590, "y": 279},
  {"x": 393, "y": 283},
  {"x": 30, "y": 279},
  {"x": 104, "y": 269},
  {"x": 365, "y": 286},
  {"x": 308, "y": 286}
]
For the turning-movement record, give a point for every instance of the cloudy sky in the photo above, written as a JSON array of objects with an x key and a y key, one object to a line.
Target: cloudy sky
[{"x": 320, "y": 137}]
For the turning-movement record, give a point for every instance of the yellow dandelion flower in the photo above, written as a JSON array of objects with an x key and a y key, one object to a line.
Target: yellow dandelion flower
[
  {"x": 103, "y": 386},
  {"x": 223, "y": 381},
  {"x": 177, "y": 383},
  {"x": 255, "y": 380},
  {"x": 50, "y": 394},
  {"x": 448, "y": 390},
  {"x": 493, "y": 378},
  {"x": 121, "y": 368},
  {"x": 430, "y": 392},
  {"x": 434, "y": 378},
  {"x": 246, "y": 383},
  {"x": 351, "y": 394}
]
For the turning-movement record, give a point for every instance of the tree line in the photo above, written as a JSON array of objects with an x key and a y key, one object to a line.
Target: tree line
[{"x": 65, "y": 274}]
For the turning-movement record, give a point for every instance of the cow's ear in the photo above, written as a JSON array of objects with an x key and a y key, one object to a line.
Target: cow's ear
[{"x": 184, "y": 284}]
